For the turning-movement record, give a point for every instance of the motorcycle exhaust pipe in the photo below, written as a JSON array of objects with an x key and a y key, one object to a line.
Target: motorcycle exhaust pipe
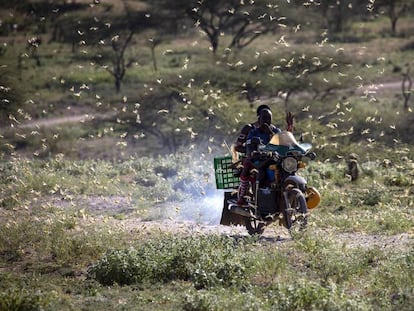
[{"x": 234, "y": 208}]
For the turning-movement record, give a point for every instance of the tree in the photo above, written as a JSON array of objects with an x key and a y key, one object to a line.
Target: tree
[
  {"x": 395, "y": 9},
  {"x": 117, "y": 69},
  {"x": 163, "y": 117},
  {"x": 243, "y": 21},
  {"x": 153, "y": 42},
  {"x": 113, "y": 38},
  {"x": 336, "y": 14}
]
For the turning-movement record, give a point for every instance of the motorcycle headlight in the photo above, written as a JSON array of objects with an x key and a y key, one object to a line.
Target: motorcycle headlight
[{"x": 290, "y": 165}]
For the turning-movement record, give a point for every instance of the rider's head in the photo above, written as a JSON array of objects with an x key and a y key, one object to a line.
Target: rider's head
[
  {"x": 265, "y": 117},
  {"x": 260, "y": 108}
]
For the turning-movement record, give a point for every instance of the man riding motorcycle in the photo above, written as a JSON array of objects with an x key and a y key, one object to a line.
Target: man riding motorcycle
[
  {"x": 262, "y": 133},
  {"x": 259, "y": 135},
  {"x": 240, "y": 143},
  {"x": 270, "y": 189}
]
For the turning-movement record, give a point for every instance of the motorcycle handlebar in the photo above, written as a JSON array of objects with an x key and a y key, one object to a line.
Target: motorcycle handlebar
[
  {"x": 266, "y": 154},
  {"x": 275, "y": 155}
]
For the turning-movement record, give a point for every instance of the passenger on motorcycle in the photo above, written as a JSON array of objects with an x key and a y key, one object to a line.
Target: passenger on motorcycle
[{"x": 259, "y": 135}]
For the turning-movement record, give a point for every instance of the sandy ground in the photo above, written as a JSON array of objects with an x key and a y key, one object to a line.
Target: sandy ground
[{"x": 189, "y": 218}]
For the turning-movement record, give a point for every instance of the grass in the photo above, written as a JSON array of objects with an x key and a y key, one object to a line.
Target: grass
[
  {"x": 66, "y": 254},
  {"x": 312, "y": 272},
  {"x": 154, "y": 180}
]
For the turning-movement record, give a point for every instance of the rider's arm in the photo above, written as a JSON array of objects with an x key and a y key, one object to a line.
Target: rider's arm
[
  {"x": 240, "y": 144},
  {"x": 275, "y": 129},
  {"x": 252, "y": 142}
]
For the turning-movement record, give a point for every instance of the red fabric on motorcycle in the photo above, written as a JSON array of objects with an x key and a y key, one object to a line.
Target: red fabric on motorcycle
[
  {"x": 243, "y": 189},
  {"x": 289, "y": 121}
]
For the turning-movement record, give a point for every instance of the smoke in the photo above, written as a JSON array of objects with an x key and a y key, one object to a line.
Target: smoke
[
  {"x": 195, "y": 196},
  {"x": 203, "y": 210}
]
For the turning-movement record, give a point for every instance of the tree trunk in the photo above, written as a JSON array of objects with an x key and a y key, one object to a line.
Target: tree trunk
[
  {"x": 214, "y": 44},
  {"x": 117, "y": 84},
  {"x": 406, "y": 86},
  {"x": 394, "y": 26},
  {"x": 154, "y": 59}
]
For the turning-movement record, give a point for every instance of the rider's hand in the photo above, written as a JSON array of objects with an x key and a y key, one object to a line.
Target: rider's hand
[
  {"x": 255, "y": 141},
  {"x": 267, "y": 129}
]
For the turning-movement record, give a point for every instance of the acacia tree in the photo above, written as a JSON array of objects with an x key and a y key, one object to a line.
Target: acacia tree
[
  {"x": 336, "y": 14},
  {"x": 243, "y": 21},
  {"x": 113, "y": 37},
  {"x": 395, "y": 9},
  {"x": 119, "y": 64},
  {"x": 169, "y": 119}
]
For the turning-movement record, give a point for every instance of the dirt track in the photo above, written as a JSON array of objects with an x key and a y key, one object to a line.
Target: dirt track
[
  {"x": 187, "y": 219},
  {"x": 274, "y": 234}
]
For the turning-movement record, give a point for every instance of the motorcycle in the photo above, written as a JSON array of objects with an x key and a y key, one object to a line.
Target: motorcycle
[{"x": 277, "y": 193}]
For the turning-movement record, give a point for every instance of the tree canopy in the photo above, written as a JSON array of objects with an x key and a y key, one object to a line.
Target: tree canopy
[{"x": 243, "y": 21}]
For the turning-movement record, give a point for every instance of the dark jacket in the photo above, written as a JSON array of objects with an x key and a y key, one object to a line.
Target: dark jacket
[
  {"x": 240, "y": 145},
  {"x": 258, "y": 136}
]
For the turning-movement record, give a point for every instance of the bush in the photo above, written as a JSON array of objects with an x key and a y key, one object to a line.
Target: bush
[
  {"x": 23, "y": 300},
  {"x": 308, "y": 295},
  {"x": 391, "y": 285},
  {"x": 206, "y": 261},
  {"x": 197, "y": 302},
  {"x": 400, "y": 180}
]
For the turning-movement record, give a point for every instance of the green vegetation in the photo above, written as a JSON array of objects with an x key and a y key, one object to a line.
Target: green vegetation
[
  {"x": 207, "y": 261},
  {"x": 107, "y": 138},
  {"x": 64, "y": 251}
]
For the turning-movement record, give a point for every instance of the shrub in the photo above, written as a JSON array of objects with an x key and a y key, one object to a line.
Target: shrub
[
  {"x": 308, "y": 295},
  {"x": 206, "y": 261},
  {"x": 24, "y": 300},
  {"x": 391, "y": 285},
  {"x": 330, "y": 260},
  {"x": 371, "y": 197},
  {"x": 399, "y": 180},
  {"x": 197, "y": 302}
]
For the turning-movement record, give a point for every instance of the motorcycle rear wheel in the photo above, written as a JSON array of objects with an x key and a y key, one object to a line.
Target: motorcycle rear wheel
[
  {"x": 253, "y": 226},
  {"x": 297, "y": 210}
]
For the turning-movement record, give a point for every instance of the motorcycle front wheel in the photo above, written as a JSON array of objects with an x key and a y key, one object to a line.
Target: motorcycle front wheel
[{"x": 296, "y": 211}]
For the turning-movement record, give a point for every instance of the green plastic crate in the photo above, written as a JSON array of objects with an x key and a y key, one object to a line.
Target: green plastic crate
[{"x": 226, "y": 175}]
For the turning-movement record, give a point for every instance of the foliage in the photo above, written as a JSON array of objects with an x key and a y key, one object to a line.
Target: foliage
[
  {"x": 244, "y": 22},
  {"x": 58, "y": 237},
  {"x": 327, "y": 266},
  {"x": 25, "y": 300},
  {"x": 196, "y": 259},
  {"x": 153, "y": 179}
]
